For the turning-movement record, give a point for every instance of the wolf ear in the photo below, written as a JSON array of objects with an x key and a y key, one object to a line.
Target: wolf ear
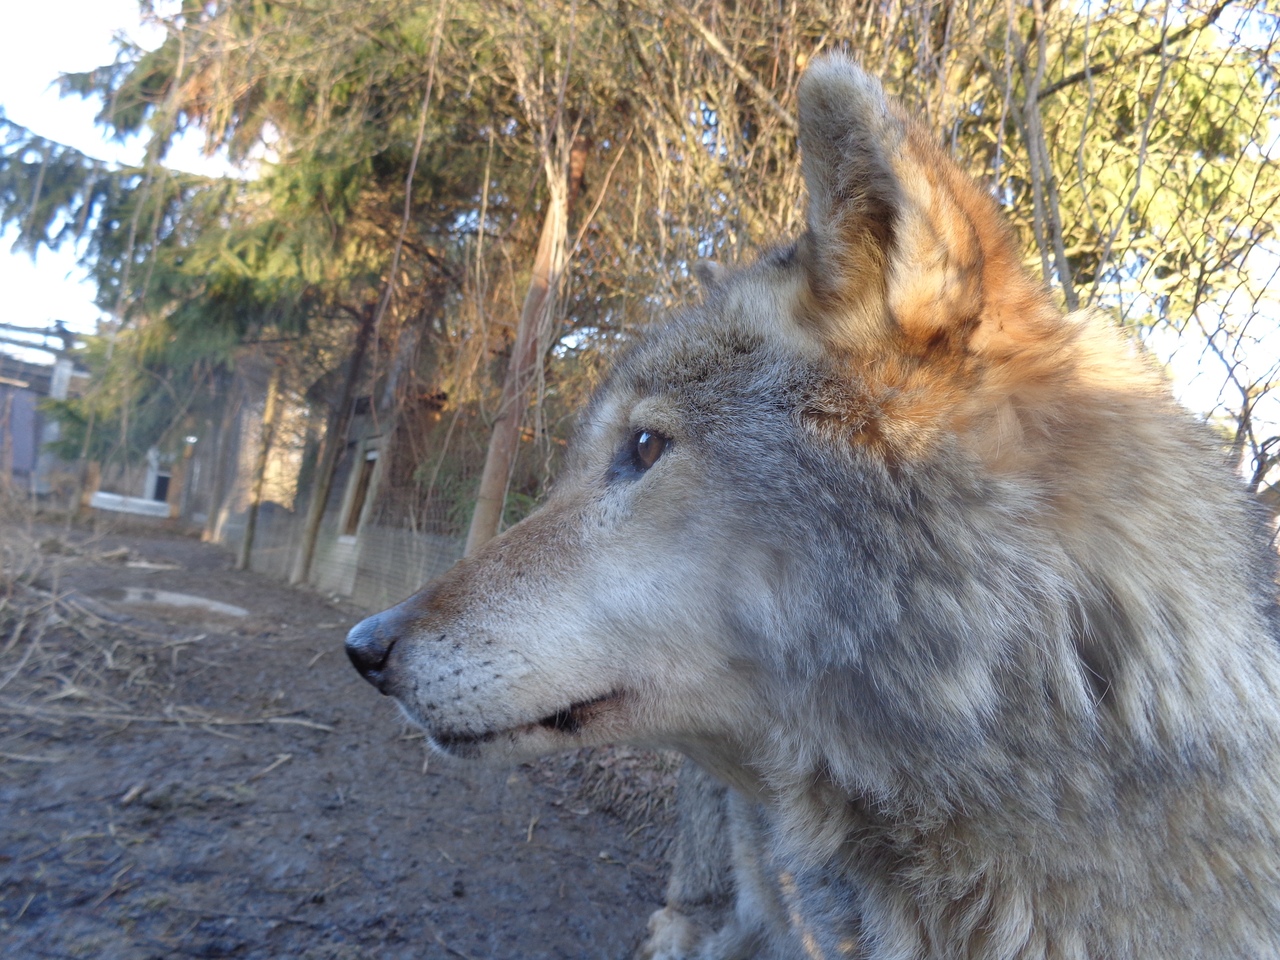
[
  {"x": 710, "y": 274},
  {"x": 900, "y": 242}
]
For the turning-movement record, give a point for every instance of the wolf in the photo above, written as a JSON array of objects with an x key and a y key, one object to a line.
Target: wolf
[{"x": 972, "y": 620}]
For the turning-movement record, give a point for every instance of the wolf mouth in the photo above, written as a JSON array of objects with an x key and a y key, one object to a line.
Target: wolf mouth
[{"x": 567, "y": 720}]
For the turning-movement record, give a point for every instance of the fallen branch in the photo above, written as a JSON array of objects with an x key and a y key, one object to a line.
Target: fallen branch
[
  {"x": 105, "y": 716},
  {"x": 29, "y": 758},
  {"x": 280, "y": 759},
  {"x": 22, "y": 662}
]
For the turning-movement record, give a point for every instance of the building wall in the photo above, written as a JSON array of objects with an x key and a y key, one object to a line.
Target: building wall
[
  {"x": 373, "y": 563},
  {"x": 375, "y": 567},
  {"x": 19, "y": 432}
]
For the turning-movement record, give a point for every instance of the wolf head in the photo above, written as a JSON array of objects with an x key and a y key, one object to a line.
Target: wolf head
[{"x": 873, "y": 517}]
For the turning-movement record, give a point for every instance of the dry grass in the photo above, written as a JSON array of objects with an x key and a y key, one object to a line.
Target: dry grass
[
  {"x": 637, "y": 786},
  {"x": 66, "y": 657},
  {"x": 63, "y": 653}
]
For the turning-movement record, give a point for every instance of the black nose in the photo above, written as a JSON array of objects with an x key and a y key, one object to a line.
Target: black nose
[{"x": 368, "y": 645}]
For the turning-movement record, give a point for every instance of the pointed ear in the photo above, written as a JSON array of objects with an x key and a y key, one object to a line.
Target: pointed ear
[
  {"x": 900, "y": 243},
  {"x": 710, "y": 274}
]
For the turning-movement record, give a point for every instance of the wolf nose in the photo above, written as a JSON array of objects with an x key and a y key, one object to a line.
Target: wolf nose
[{"x": 368, "y": 645}]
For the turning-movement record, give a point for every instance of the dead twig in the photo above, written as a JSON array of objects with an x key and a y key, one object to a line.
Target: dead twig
[
  {"x": 280, "y": 760},
  {"x": 16, "y": 632},
  {"x": 21, "y": 664},
  {"x": 440, "y": 941},
  {"x": 45, "y": 713},
  {"x": 29, "y": 758},
  {"x": 116, "y": 886},
  {"x": 19, "y": 914}
]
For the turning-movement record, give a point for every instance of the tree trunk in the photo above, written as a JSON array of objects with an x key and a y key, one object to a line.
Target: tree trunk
[
  {"x": 225, "y": 457},
  {"x": 332, "y": 446},
  {"x": 87, "y": 479},
  {"x": 6, "y": 442},
  {"x": 90, "y": 477},
  {"x": 536, "y": 317},
  {"x": 178, "y": 482},
  {"x": 270, "y": 411}
]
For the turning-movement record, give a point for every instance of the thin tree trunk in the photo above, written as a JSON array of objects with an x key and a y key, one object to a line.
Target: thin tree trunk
[
  {"x": 6, "y": 442},
  {"x": 91, "y": 476},
  {"x": 270, "y": 412},
  {"x": 224, "y": 457},
  {"x": 332, "y": 447},
  {"x": 526, "y": 355},
  {"x": 178, "y": 477},
  {"x": 86, "y": 479}
]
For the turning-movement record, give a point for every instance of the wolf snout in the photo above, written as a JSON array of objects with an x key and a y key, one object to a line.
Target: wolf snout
[{"x": 369, "y": 645}]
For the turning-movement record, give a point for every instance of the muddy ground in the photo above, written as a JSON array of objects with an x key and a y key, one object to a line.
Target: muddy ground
[{"x": 176, "y": 782}]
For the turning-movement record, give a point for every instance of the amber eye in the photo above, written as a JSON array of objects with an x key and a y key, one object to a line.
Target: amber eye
[
  {"x": 648, "y": 447},
  {"x": 637, "y": 455}
]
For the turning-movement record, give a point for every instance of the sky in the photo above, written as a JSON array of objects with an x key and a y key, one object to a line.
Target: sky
[{"x": 40, "y": 41}]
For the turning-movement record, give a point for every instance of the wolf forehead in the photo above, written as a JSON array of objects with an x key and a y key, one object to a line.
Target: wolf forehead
[{"x": 742, "y": 342}]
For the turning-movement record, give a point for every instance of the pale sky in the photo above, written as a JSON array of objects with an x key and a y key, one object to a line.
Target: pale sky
[{"x": 39, "y": 41}]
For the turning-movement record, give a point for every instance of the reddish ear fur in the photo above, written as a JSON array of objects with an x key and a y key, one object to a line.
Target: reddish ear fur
[
  {"x": 902, "y": 245},
  {"x": 911, "y": 270}
]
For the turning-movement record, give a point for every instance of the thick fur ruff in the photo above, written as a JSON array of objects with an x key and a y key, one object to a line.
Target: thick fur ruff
[{"x": 973, "y": 619}]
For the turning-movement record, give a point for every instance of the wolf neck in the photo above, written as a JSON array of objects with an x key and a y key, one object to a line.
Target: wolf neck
[
  {"x": 1110, "y": 834},
  {"x": 954, "y": 890}
]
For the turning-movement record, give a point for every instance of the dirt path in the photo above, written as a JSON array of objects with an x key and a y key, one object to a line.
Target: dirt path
[{"x": 240, "y": 792}]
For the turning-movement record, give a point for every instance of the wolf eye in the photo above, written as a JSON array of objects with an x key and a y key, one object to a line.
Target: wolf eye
[
  {"x": 634, "y": 458},
  {"x": 647, "y": 447}
]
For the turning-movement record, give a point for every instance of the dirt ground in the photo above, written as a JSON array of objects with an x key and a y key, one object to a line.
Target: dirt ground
[{"x": 176, "y": 782}]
